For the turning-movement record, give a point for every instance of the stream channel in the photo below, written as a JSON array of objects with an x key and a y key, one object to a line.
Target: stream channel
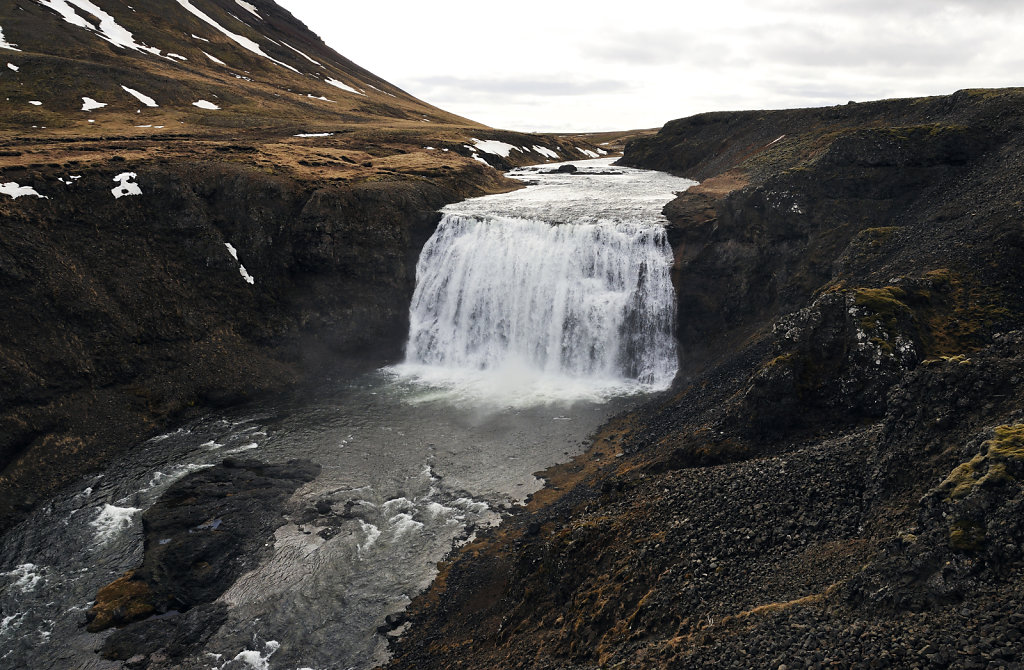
[{"x": 538, "y": 314}]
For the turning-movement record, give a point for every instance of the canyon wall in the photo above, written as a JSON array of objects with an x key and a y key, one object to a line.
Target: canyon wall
[
  {"x": 122, "y": 315},
  {"x": 835, "y": 477}
]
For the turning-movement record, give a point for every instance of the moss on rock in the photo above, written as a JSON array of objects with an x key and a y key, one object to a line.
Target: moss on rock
[
  {"x": 119, "y": 603},
  {"x": 967, "y": 536},
  {"x": 1001, "y": 456}
]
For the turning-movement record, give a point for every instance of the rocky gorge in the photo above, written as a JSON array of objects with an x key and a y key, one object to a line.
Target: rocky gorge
[{"x": 834, "y": 479}]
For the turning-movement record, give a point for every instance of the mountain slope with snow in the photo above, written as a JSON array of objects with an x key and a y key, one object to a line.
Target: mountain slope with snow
[{"x": 149, "y": 64}]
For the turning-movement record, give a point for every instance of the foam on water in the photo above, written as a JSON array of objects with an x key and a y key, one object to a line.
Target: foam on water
[
  {"x": 252, "y": 659},
  {"x": 24, "y": 577},
  {"x": 372, "y": 533},
  {"x": 112, "y": 520}
]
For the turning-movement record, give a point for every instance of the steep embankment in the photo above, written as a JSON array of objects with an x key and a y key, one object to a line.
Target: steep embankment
[
  {"x": 151, "y": 153},
  {"x": 836, "y": 477}
]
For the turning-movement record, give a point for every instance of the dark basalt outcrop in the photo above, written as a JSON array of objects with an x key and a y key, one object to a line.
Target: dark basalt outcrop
[
  {"x": 203, "y": 533},
  {"x": 835, "y": 478}
]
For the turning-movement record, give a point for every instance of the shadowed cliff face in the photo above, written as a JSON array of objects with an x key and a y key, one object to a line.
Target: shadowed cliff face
[
  {"x": 121, "y": 314},
  {"x": 832, "y": 478},
  {"x": 798, "y": 202}
]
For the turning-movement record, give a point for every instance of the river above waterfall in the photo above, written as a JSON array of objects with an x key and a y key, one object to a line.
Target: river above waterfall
[{"x": 409, "y": 468}]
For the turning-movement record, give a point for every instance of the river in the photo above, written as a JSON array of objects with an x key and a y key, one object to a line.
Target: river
[{"x": 525, "y": 337}]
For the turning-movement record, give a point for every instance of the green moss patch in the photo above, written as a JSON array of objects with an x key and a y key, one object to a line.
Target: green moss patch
[
  {"x": 967, "y": 536},
  {"x": 933, "y": 130},
  {"x": 885, "y": 315},
  {"x": 1001, "y": 456},
  {"x": 886, "y": 306},
  {"x": 948, "y": 313},
  {"x": 1008, "y": 442}
]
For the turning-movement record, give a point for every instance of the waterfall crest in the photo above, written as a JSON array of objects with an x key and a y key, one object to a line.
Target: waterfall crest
[{"x": 506, "y": 302}]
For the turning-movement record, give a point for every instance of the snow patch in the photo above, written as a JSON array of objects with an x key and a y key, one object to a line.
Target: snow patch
[
  {"x": 4, "y": 44},
  {"x": 12, "y": 189},
  {"x": 175, "y": 56},
  {"x": 106, "y": 27},
  {"x": 35, "y": 102},
  {"x": 319, "y": 97},
  {"x": 495, "y": 147},
  {"x": 300, "y": 53},
  {"x": 241, "y": 40},
  {"x": 141, "y": 97},
  {"x": 252, "y": 280},
  {"x": 315, "y": 135},
  {"x": 205, "y": 104},
  {"x": 88, "y": 104},
  {"x": 126, "y": 185},
  {"x": 201, "y": 39},
  {"x": 9, "y": 622},
  {"x": 588, "y": 152},
  {"x": 775, "y": 140},
  {"x": 13, "y": 67},
  {"x": 112, "y": 520},
  {"x": 544, "y": 151},
  {"x": 167, "y": 478},
  {"x": 343, "y": 86},
  {"x": 214, "y": 59},
  {"x": 249, "y": 8}
]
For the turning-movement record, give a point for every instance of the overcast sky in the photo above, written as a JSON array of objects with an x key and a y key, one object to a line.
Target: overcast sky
[{"x": 581, "y": 66}]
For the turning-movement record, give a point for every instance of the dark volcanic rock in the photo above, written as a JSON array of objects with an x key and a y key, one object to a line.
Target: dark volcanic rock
[
  {"x": 124, "y": 315},
  {"x": 171, "y": 636},
  {"x": 203, "y": 533}
]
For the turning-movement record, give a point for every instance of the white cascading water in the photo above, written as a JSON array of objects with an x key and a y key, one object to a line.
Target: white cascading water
[{"x": 560, "y": 291}]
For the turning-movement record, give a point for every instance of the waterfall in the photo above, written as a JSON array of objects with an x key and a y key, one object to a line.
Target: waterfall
[
  {"x": 580, "y": 301},
  {"x": 506, "y": 302}
]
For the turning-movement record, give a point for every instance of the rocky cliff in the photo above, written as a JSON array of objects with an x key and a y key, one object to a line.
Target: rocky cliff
[
  {"x": 835, "y": 478},
  {"x": 201, "y": 202}
]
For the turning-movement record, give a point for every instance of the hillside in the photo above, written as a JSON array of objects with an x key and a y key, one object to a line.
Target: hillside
[
  {"x": 200, "y": 203},
  {"x": 835, "y": 479}
]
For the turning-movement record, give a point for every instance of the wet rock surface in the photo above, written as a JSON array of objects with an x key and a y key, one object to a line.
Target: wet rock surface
[
  {"x": 204, "y": 532},
  {"x": 833, "y": 481}
]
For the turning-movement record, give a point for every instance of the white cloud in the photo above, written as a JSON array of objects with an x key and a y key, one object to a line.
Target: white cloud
[{"x": 561, "y": 66}]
